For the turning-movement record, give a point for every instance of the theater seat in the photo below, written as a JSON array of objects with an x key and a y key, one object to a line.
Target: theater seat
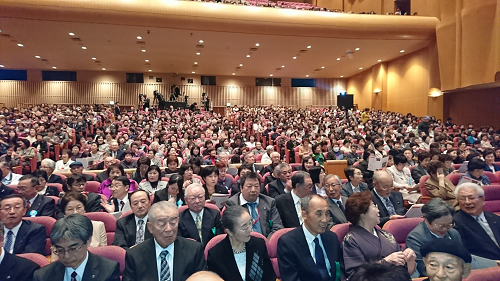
[
  {"x": 273, "y": 249},
  {"x": 341, "y": 230},
  {"x": 92, "y": 186},
  {"x": 492, "y": 177},
  {"x": 109, "y": 223},
  {"x": 111, "y": 252},
  {"x": 454, "y": 178},
  {"x": 485, "y": 274},
  {"x": 400, "y": 228},
  {"x": 492, "y": 198},
  {"x": 36, "y": 258},
  {"x": 48, "y": 222}
]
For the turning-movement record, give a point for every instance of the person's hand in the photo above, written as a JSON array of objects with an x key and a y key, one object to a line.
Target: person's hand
[
  {"x": 397, "y": 258},
  {"x": 288, "y": 185},
  {"x": 186, "y": 183},
  {"x": 409, "y": 255},
  {"x": 108, "y": 206},
  {"x": 395, "y": 217}
]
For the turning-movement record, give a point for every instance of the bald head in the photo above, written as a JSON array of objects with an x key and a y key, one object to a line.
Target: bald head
[
  {"x": 382, "y": 183},
  {"x": 204, "y": 276}
]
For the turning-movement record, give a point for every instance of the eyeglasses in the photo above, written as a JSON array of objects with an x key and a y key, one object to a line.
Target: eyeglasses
[
  {"x": 387, "y": 187},
  {"x": 78, "y": 184},
  {"x": 328, "y": 185},
  {"x": 470, "y": 198},
  {"x": 193, "y": 198},
  {"x": 448, "y": 225},
  {"x": 8, "y": 207},
  {"x": 286, "y": 172},
  {"x": 246, "y": 227},
  {"x": 70, "y": 250}
]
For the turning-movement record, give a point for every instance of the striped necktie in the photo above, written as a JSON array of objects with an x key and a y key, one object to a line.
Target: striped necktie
[{"x": 165, "y": 269}]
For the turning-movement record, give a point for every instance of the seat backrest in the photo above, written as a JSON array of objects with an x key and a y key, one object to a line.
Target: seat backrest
[
  {"x": 214, "y": 241},
  {"x": 491, "y": 176},
  {"x": 36, "y": 258},
  {"x": 125, "y": 214},
  {"x": 272, "y": 250},
  {"x": 454, "y": 178},
  {"x": 491, "y": 198},
  {"x": 400, "y": 228},
  {"x": 48, "y": 222},
  {"x": 92, "y": 174},
  {"x": 341, "y": 230},
  {"x": 111, "y": 252},
  {"x": 423, "y": 179},
  {"x": 484, "y": 274},
  {"x": 109, "y": 223},
  {"x": 92, "y": 186},
  {"x": 57, "y": 185}
]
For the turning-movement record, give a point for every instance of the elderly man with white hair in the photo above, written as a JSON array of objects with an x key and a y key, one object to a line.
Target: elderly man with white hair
[
  {"x": 479, "y": 229},
  {"x": 267, "y": 157},
  {"x": 198, "y": 221}
]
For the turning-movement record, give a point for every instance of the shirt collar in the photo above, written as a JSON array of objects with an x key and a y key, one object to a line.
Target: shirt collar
[
  {"x": 15, "y": 229},
  {"x": 80, "y": 270},
  {"x": 33, "y": 199},
  {"x": 309, "y": 237},
  {"x": 193, "y": 214},
  {"x": 481, "y": 217},
  {"x": 159, "y": 249},
  {"x": 145, "y": 219},
  {"x": 295, "y": 197},
  {"x": 243, "y": 201},
  {"x": 381, "y": 198}
]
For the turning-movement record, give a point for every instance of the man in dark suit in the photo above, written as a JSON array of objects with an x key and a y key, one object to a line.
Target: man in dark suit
[
  {"x": 336, "y": 202},
  {"x": 284, "y": 173},
  {"x": 71, "y": 237},
  {"x": 39, "y": 205},
  {"x": 288, "y": 204},
  {"x": 131, "y": 229},
  {"x": 77, "y": 168},
  {"x": 4, "y": 190},
  {"x": 155, "y": 258},
  {"x": 389, "y": 202},
  {"x": 21, "y": 236},
  {"x": 355, "y": 181},
  {"x": 115, "y": 151},
  {"x": 199, "y": 222},
  {"x": 48, "y": 165},
  {"x": 311, "y": 252},
  {"x": 249, "y": 158},
  {"x": 13, "y": 267},
  {"x": 480, "y": 230},
  {"x": 77, "y": 182},
  {"x": 119, "y": 201},
  {"x": 262, "y": 208},
  {"x": 275, "y": 160}
]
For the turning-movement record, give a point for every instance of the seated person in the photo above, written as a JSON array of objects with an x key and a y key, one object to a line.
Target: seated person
[
  {"x": 446, "y": 259},
  {"x": 21, "y": 236},
  {"x": 307, "y": 164},
  {"x": 39, "y": 205},
  {"x": 489, "y": 158},
  {"x": 317, "y": 154},
  {"x": 438, "y": 185},
  {"x": 173, "y": 193},
  {"x": 152, "y": 156},
  {"x": 172, "y": 164},
  {"x": 246, "y": 256},
  {"x": 437, "y": 224},
  {"x": 43, "y": 188},
  {"x": 389, "y": 202},
  {"x": 63, "y": 164},
  {"x": 128, "y": 162},
  {"x": 142, "y": 168},
  {"x": 284, "y": 174},
  {"x": 354, "y": 181},
  {"x": 153, "y": 181},
  {"x": 243, "y": 169},
  {"x": 363, "y": 167},
  {"x": 318, "y": 176},
  {"x": 71, "y": 238},
  {"x": 114, "y": 170},
  {"x": 363, "y": 214},
  {"x": 210, "y": 175},
  {"x": 222, "y": 180},
  {"x": 447, "y": 161},
  {"x": 402, "y": 180},
  {"x": 119, "y": 201},
  {"x": 77, "y": 183},
  {"x": 77, "y": 168},
  {"x": 212, "y": 157},
  {"x": 9, "y": 178},
  {"x": 186, "y": 171},
  {"x": 380, "y": 271},
  {"x": 421, "y": 169},
  {"x": 475, "y": 172},
  {"x": 336, "y": 202},
  {"x": 288, "y": 204},
  {"x": 48, "y": 165}
]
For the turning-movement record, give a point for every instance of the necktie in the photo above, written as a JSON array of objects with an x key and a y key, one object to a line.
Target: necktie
[
  {"x": 484, "y": 224},
  {"x": 255, "y": 217},
  {"x": 122, "y": 205},
  {"x": 165, "y": 269},
  {"x": 73, "y": 276},
  {"x": 140, "y": 233},
  {"x": 198, "y": 226},
  {"x": 300, "y": 210},
  {"x": 320, "y": 260},
  {"x": 8, "y": 243},
  {"x": 389, "y": 206},
  {"x": 341, "y": 207}
]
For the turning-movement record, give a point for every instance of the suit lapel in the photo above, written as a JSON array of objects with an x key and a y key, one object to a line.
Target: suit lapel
[
  {"x": 330, "y": 254},
  {"x": 190, "y": 224},
  {"x": 35, "y": 206},
  {"x": 21, "y": 235},
  {"x": 492, "y": 222},
  {"x": 291, "y": 208},
  {"x": 179, "y": 260},
  {"x": 380, "y": 204},
  {"x": 132, "y": 230},
  {"x": 303, "y": 249},
  {"x": 149, "y": 257},
  {"x": 336, "y": 212},
  {"x": 206, "y": 223},
  {"x": 91, "y": 269}
]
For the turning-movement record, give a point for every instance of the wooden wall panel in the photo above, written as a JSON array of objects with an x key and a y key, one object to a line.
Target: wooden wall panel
[{"x": 16, "y": 93}]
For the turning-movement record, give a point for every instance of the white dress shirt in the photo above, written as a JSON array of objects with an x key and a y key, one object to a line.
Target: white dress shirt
[
  {"x": 243, "y": 202},
  {"x": 15, "y": 230},
  {"x": 126, "y": 207},
  {"x": 170, "y": 259},
  {"x": 312, "y": 247},
  {"x": 80, "y": 270},
  {"x": 320, "y": 190},
  {"x": 296, "y": 203}
]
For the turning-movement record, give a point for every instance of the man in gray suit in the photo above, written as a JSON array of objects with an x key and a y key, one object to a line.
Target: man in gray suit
[
  {"x": 336, "y": 202},
  {"x": 265, "y": 216},
  {"x": 355, "y": 181},
  {"x": 437, "y": 224}
]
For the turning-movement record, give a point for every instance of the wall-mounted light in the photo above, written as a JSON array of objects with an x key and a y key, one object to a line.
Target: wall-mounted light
[
  {"x": 377, "y": 91},
  {"x": 435, "y": 92}
]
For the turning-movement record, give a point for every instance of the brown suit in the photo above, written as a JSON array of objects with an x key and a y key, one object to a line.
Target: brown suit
[{"x": 444, "y": 192}]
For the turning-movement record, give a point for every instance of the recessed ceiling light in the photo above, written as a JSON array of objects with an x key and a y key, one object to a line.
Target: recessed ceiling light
[
  {"x": 150, "y": 70},
  {"x": 270, "y": 75},
  {"x": 1, "y": 65},
  {"x": 146, "y": 60},
  {"x": 282, "y": 66},
  {"x": 379, "y": 60},
  {"x": 103, "y": 68},
  {"x": 294, "y": 58},
  {"x": 193, "y": 72},
  {"x": 94, "y": 58},
  {"x": 37, "y": 57},
  {"x": 234, "y": 73},
  {"x": 309, "y": 47},
  {"x": 402, "y": 51},
  {"x": 360, "y": 68},
  {"x": 248, "y": 56},
  {"x": 338, "y": 58},
  {"x": 139, "y": 37},
  {"x": 85, "y": 48},
  {"x": 241, "y": 64},
  {"x": 71, "y": 34},
  {"x": 143, "y": 51},
  {"x": 341, "y": 76},
  {"x": 322, "y": 67},
  {"x": 20, "y": 45},
  {"x": 201, "y": 41},
  {"x": 307, "y": 75},
  {"x": 357, "y": 49},
  {"x": 54, "y": 67},
  {"x": 257, "y": 44},
  {"x": 198, "y": 54},
  {"x": 195, "y": 62}
]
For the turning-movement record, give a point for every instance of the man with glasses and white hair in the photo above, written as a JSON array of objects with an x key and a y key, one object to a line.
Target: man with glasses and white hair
[
  {"x": 278, "y": 186},
  {"x": 336, "y": 202},
  {"x": 480, "y": 230},
  {"x": 165, "y": 256},
  {"x": 71, "y": 238},
  {"x": 199, "y": 222},
  {"x": 389, "y": 202},
  {"x": 288, "y": 204}
]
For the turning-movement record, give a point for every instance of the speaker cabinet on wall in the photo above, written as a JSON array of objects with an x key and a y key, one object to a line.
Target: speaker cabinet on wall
[
  {"x": 346, "y": 101},
  {"x": 190, "y": 81},
  {"x": 159, "y": 80}
]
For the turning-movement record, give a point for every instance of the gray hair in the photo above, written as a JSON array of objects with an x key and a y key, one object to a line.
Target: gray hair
[
  {"x": 436, "y": 208},
  {"x": 160, "y": 206},
  {"x": 379, "y": 174},
  {"x": 50, "y": 163},
  {"x": 191, "y": 186},
  {"x": 6, "y": 164},
  {"x": 280, "y": 167},
  {"x": 329, "y": 176},
  {"x": 269, "y": 148},
  {"x": 223, "y": 154},
  {"x": 299, "y": 178},
  {"x": 479, "y": 190},
  {"x": 74, "y": 226},
  {"x": 247, "y": 154},
  {"x": 306, "y": 201},
  {"x": 231, "y": 216}
]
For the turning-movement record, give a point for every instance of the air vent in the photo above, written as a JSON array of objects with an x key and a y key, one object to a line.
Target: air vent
[
  {"x": 239, "y": 67},
  {"x": 5, "y": 36},
  {"x": 279, "y": 68},
  {"x": 200, "y": 46},
  {"x": 349, "y": 53},
  {"x": 195, "y": 65},
  {"x": 141, "y": 42},
  {"x": 303, "y": 51},
  {"x": 43, "y": 59},
  {"x": 254, "y": 49},
  {"x": 148, "y": 64},
  {"x": 317, "y": 69},
  {"x": 76, "y": 39},
  {"x": 97, "y": 61}
]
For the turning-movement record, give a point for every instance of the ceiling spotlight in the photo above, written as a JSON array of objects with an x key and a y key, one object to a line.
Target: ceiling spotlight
[
  {"x": 270, "y": 75},
  {"x": 146, "y": 60},
  {"x": 241, "y": 64},
  {"x": 195, "y": 62},
  {"x": 309, "y": 47},
  {"x": 294, "y": 58},
  {"x": 71, "y": 34},
  {"x": 379, "y": 60},
  {"x": 357, "y": 49},
  {"x": 103, "y": 68},
  {"x": 143, "y": 51},
  {"x": 322, "y": 67},
  {"x": 402, "y": 51},
  {"x": 54, "y": 67},
  {"x": 282, "y": 66},
  {"x": 234, "y": 73},
  {"x": 198, "y": 54},
  {"x": 85, "y": 48},
  {"x": 20, "y": 45},
  {"x": 139, "y": 37},
  {"x": 37, "y": 57},
  {"x": 360, "y": 68},
  {"x": 257, "y": 44},
  {"x": 341, "y": 76},
  {"x": 94, "y": 58},
  {"x": 307, "y": 75},
  {"x": 1, "y": 65},
  {"x": 201, "y": 41},
  {"x": 248, "y": 56},
  {"x": 193, "y": 72},
  {"x": 338, "y": 58},
  {"x": 150, "y": 70}
]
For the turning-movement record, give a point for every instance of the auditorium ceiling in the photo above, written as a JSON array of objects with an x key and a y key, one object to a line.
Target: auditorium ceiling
[{"x": 113, "y": 44}]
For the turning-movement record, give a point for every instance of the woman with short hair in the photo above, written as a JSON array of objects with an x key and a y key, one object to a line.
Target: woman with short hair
[
  {"x": 210, "y": 175},
  {"x": 153, "y": 181},
  {"x": 113, "y": 171}
]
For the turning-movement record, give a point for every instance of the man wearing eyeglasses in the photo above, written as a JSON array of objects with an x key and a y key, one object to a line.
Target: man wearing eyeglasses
[
  {"x": 389, "y": 202},
  {"x": 288, "y": 204},
  {"x": 165, "y": 256},
  {"x": 71, "y": 237},
  {"x": 131, "y": 229},
  {"x": 480, "y": 230},
  {"x": 336, "y": 202},
  {"x": 77, "y": 183},
  {"x": 119, "y": 201},
  {"x": 199, "y": 222},
  {"x": 20, "y": 236},
  {"x": 278, "y": 187},
  {"x": 39, "y": 205}
]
